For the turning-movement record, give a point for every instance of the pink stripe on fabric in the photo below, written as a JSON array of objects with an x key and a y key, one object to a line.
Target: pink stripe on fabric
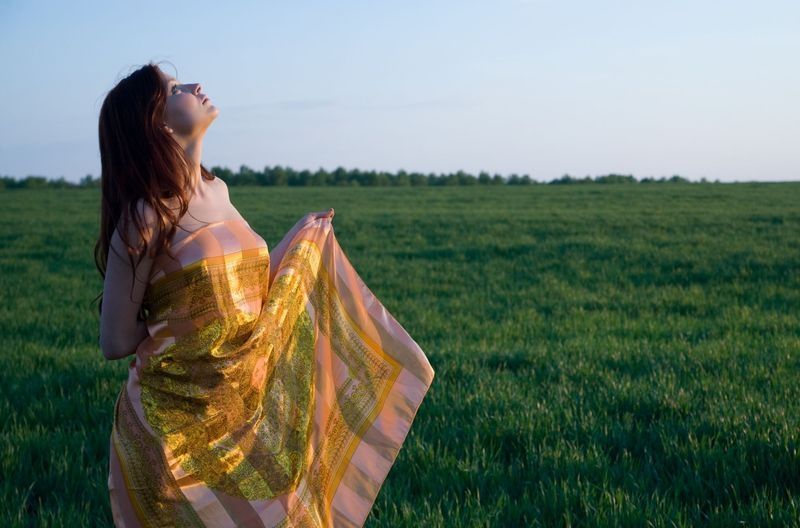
[
  {"x": 207, "y": 506},
  {"x": 134, "y": 389},
  {"x": 324, "y": 390},
  {"x": 270, "y": 512},
  {"x": 122, "y": 510},
  {"x": 361, "y": 483},
  {"x": 341, "y": 520},
  {"x": 351, "y": 505},
  {"x": 391, "y": 425},
  {"x": 410, "y": 392},
  {"x": 291, "y": 500},
  {"x": 371, "y": 462}
]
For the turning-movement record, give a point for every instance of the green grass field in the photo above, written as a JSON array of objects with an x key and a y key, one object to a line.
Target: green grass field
[{"x": 612, "y": 355}]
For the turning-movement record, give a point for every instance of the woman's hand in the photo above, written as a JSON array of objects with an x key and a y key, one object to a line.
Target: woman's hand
[
  {"x": 316, "y": 215},
  {"x": 323, "y": 214}
]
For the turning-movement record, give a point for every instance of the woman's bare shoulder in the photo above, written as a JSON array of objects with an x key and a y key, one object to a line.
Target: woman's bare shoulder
[
  {"x": 148, "y": 218},
  {"x": 222, "y": 187}
]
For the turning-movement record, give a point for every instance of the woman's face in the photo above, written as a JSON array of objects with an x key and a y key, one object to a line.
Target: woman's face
[{"x": 186, "y": 112}]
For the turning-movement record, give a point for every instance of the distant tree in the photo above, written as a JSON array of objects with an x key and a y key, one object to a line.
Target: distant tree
[
  {"x": 418, "y": 179},
  {"x": 278, "y": 176},
  {"x": 300, "y": 179},
  {"x": 223, "y": 173},
  {"x": 9, "y": 182},
  {"x": 464, "y": 178},
  {"x": 320, "y": 177},
  {"x": 450, "y": 178},
  {"x": 616, "y": 178},
  {"x": 60, "y": 183},
  {"x": 564, "y": 179},
  {"x": 354, "y": 177},
  {"x": 89, "y": 181},
  {"x": 402, "y": 179},
  {"x": 261, "y": 177},
  {"x": 34, "y": 182},
  {"x": 567, "y": 179},
  {"x": 340, "y": 176},
  {"x": 245, "y": 176}
]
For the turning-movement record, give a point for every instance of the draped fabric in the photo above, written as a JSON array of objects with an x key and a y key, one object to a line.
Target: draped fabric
[{"x": 273, "y": 389}]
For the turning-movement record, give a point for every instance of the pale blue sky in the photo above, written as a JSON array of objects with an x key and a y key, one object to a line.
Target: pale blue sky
[{"x": 538, "y": 87}]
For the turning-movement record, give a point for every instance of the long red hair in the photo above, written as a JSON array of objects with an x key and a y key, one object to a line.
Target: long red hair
[{"x": 139, "y": 160}]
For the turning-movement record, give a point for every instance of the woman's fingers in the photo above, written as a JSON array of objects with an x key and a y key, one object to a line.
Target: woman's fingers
[{"x": 317, "y": 215}]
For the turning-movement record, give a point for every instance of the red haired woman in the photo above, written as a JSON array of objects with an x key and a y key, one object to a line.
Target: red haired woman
[{"x": 266, "y": 387}]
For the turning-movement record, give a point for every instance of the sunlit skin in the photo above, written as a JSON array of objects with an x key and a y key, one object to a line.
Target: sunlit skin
[{"x": 187, "y": 118}]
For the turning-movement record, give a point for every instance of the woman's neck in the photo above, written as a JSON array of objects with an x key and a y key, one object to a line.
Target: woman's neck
[{"x": 194, "y": 152}]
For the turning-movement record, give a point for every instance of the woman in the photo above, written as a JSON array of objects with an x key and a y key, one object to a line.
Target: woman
[{"x": 267, "y": 388}]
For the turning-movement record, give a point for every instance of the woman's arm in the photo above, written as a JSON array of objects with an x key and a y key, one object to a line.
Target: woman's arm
[
  {"x": 120, "y": 329},
  {"x": 140, "y": 335}
]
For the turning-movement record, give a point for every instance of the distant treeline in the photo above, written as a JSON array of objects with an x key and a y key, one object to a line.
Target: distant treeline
[{"x": 287, "y": 176}]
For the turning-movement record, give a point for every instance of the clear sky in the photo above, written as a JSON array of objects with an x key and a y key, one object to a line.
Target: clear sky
[{"x": 697, "y": 88}]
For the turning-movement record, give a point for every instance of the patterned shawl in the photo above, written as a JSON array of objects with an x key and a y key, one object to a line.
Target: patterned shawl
[{"x": 274, "y": 389}]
